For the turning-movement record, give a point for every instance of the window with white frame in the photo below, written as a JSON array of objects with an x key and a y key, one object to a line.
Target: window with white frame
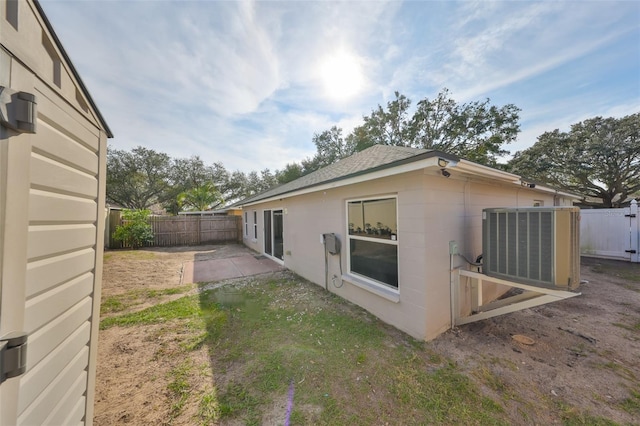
[
  {"x": 373, "y": 239},
  {"x": 246, "y": 224},
  {"x": 255, "y": 224}
]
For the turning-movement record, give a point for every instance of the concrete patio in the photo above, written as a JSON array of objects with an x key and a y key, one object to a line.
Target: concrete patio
[{"x": 212, "y": 270}]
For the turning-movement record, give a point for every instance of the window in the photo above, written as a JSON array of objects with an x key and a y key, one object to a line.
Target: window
[
  {"x": 55, "y": 60},
  {"x": 246, "y": 224},
  {"x": 373, "y": 239},
  {"x": 12, "y": 13},
  {"x": 255, "y": 225},
  {"x": 538, "y": 203}
]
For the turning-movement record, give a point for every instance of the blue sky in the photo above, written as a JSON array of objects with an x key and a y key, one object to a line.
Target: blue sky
[{"x": 249, "y": 83}]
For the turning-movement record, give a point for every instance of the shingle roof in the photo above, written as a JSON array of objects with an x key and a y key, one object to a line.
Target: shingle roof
[{"x": 366, "y": 161}]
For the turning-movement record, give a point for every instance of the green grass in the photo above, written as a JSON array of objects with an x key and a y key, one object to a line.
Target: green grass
[
  {"x": 179, "y": 387},
  {"x": 572, "y": 417},
  {"x": 186, "y": 308},
  {"x": 122, "y": 302},
  {"x": 337, "y": 358},
  {"x": 625, "y": 270},
  {"x": 347, "y": 367},
  {"x": 116, "y": 255},
  {"x": 634, "y": 327},
  {"x": 209, "y": 408},
  {"x": 632, "y": 404},
  {"x": 112, "y": 304}
]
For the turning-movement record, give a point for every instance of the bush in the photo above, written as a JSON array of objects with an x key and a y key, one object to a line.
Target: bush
[{"x": 135, "y": 231}]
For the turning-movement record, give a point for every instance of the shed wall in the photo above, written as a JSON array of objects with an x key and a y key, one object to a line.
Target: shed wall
[{"x": 63, "y": 167}]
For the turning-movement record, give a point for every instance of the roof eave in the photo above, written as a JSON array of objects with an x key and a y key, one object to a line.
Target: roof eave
[
  {"x": 73, "y": 68},
  {"x": 416, "y": 162}
]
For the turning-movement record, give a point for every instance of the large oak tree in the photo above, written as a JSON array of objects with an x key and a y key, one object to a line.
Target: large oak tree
[
  {"x": 475, "y": 130},
  {"x": 137, "y": 179},
  {"x": 598, "y": 158}
]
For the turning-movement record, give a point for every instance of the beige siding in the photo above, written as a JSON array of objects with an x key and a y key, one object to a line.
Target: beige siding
[
  {"x": 432, "y": 210},
  {"x": 63, "y": 215},
  {"x": 56, "y": 186},
  {"x": 30, "y": 45}
]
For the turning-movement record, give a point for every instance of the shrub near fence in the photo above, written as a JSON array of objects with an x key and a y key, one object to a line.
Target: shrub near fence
[{"x": 185, "y": 230}]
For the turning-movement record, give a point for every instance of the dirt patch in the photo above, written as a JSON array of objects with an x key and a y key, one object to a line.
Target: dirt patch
[
  {"x": 584, "y": 355},
  {"x": 583, "y": 361},
  {"x": 135, "y": 364}
]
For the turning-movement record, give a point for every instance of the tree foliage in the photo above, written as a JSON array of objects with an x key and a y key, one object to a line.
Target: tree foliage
[
  {"x": 200, "y": 198},
  {"x": 597, "y": 158},
  {"x": 135, "y": 230},
  {"x": 142, "y": 178},
  {"x": 137, "y": 179},
  {"x": 476, "y": 131},
  {"x": 330, "y": 147},
  {"x": 185, "y": 174},
  {"x": 290, "y": 172}
]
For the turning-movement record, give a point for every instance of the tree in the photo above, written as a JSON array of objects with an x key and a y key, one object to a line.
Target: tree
[
  {"x": 598, "y": 158},
  {"x": 135, "y": 230},
  {"x": 257, "y": 183},
  {"x": 291, "y": 171},
  {"x": 201, "y": 198},
  {"x": 185, "y": 174},
  {"x": 330, "y": 147},
  {"x": 476, "y": 131},
  {"x": 137, "y": 179}
]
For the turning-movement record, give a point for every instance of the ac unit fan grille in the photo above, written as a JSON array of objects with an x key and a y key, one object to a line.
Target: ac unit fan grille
[{"x": 520, "y": 244}]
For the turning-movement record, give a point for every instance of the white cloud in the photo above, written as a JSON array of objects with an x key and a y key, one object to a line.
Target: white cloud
[{"x": 237, "y": 82}]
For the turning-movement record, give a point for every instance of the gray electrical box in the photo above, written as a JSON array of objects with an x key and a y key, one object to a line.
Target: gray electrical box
[{"x": 332, "y": 243}]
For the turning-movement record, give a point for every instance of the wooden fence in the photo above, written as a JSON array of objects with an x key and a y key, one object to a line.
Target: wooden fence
[{"x": 183, "y": 230}]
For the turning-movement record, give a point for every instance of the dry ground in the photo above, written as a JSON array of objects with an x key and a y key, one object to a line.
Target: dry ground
[{"x": 584, "y": 364}]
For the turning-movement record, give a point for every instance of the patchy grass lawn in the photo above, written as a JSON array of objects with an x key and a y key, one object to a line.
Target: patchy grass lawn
[
  {"x": 266, "y": 336},
  {"x": 256, "y": 350}
]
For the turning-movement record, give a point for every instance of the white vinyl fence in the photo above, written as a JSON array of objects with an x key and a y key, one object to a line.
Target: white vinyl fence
[{"x": 611, "y": 233}]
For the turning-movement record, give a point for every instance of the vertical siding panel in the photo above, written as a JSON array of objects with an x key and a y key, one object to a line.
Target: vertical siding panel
[
  {"x": 66, "y": 405},
  {"x": 47, "y": 273},
  {"x": 40, "y": 376},
  {"x": 88, "y": 402},
  {"x": 56, "y": 391},
  {"x": 48, "y": 337},
  {"x": 46, "y": 307}
]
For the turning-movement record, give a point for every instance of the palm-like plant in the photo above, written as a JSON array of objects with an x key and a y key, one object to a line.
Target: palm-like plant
[{"x": 201, "y": 198}]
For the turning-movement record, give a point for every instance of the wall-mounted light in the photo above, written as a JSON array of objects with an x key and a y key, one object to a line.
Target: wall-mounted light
[
  {"x": 442, "y": 162},
  {"x": 445, "y": 173}
]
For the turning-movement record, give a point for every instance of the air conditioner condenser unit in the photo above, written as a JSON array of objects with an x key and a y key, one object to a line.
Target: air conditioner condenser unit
[{"x": 539, "y": 246}]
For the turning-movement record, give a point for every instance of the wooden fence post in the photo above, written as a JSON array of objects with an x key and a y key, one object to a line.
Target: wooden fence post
[{"x": 115, "y": 220}]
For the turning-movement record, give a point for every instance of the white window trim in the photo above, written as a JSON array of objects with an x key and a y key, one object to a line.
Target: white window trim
[
  {"x": 246, "y": 224},
  {"x": 392, "y": 294},
  {"x": 377, "y": 287},
  {"x": 255, "y": 226}
]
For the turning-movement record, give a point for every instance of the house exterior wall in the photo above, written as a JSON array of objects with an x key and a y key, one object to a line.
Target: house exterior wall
[
  {"x": 56, "y": 248},
  {"x": 432, "y": 210}
]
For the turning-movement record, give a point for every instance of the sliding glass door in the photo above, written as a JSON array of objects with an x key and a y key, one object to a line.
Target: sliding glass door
[{"x": 273, "y": 233}]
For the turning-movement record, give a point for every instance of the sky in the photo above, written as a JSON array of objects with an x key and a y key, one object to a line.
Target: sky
[{"x": 248, "y": 83}]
